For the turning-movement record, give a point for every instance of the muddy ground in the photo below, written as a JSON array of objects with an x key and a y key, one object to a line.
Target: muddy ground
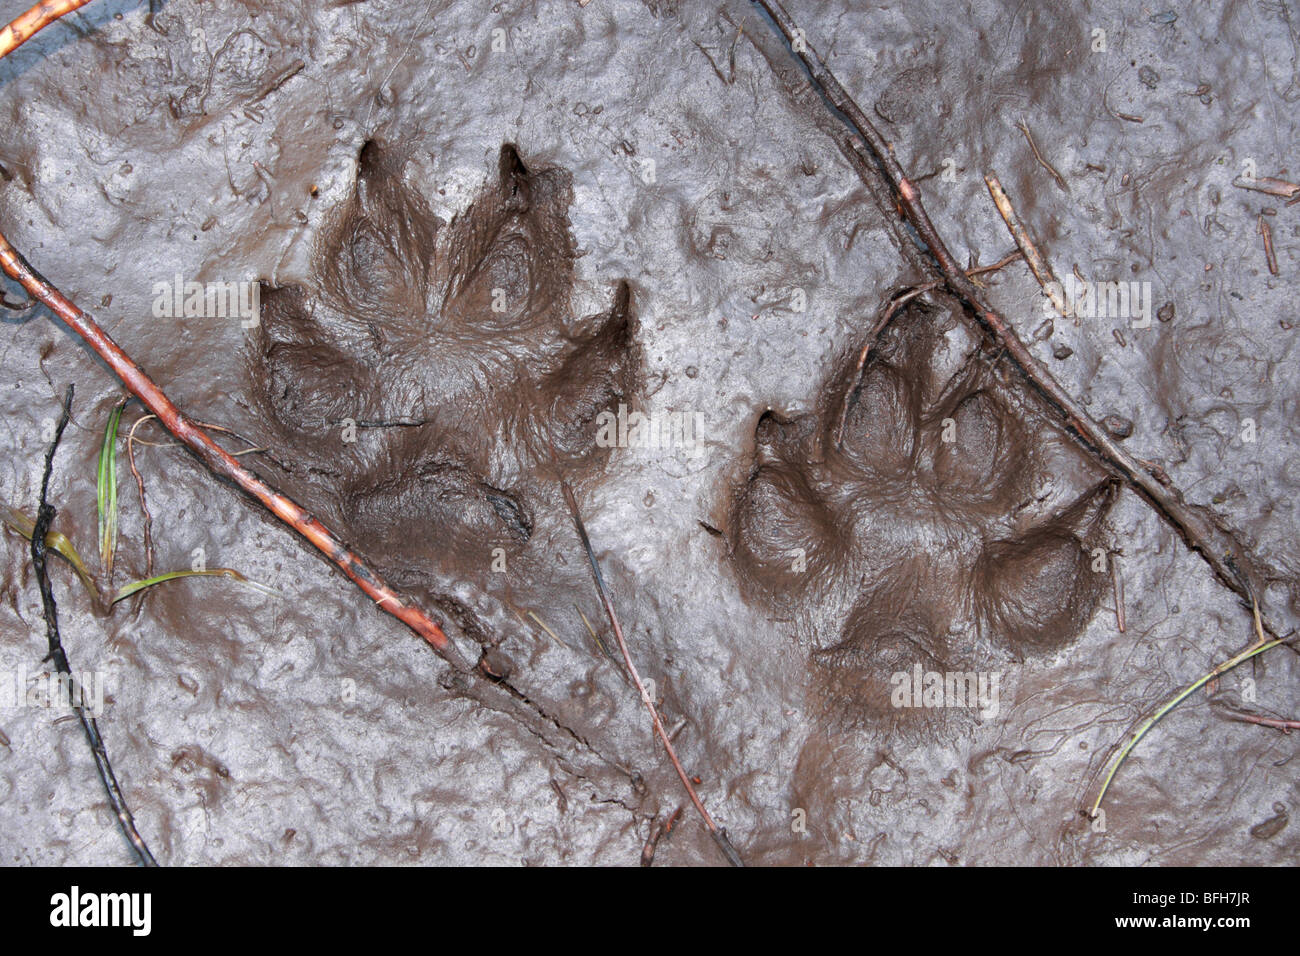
[{"x": 676, "y": 229}]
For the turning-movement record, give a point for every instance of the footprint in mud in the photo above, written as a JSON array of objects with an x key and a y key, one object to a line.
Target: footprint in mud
[
  {"x": 418, "y": 387},
  {"x": 926, "y": 513}
]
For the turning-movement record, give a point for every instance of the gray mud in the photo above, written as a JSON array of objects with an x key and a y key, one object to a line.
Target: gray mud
[{"x": 673, "y": 226}]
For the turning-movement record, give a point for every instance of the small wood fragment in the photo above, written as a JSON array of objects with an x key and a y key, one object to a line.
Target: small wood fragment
[{"x": 1038, "y": 264}]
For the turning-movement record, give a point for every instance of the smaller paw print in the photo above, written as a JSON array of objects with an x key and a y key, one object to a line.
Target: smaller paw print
[{"x": 926, "y": 513}]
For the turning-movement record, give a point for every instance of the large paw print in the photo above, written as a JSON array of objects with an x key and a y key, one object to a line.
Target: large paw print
[
  {"x": 926, "y": 513},
  {"x": 430, "y": 372}
]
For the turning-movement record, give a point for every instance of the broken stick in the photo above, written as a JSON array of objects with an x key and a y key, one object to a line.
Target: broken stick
[{"x": 1038, "y": 263}]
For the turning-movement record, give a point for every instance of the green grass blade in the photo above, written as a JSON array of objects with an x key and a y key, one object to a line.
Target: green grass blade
[
  {"x": 1247, "y": 654},
  {"x": 106, "y": 491},
  {"x": 126, "y": 590},
  {"x": 54, "y": 541}
]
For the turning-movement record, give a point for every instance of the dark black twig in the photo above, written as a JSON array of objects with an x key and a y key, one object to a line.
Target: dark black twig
[
  {"x": 20, "y": 309},
  {"x": 44, "y": 516}
]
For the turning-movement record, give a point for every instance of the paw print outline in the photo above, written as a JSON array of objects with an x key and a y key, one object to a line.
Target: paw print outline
[
  {"x": 950, "y": 524},
  {"x": 449, "y": 353}
]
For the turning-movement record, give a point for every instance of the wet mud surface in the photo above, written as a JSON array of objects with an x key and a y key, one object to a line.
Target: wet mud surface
[{"x": 480, "y": 233}]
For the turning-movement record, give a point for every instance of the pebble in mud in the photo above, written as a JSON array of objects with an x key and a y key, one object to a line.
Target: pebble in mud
[
  {"x": 1062, "y": 352},
  {"x": 1148, "y": 77},
  {"x": 1166, "y": 312},
  {"x": 1273, "y": 825},
  {"x": 1118, "y": 426}
]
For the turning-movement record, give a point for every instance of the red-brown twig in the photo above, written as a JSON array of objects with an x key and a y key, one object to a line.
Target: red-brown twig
[
  {"x": 1270, "y": 257},
  {"x": 217, "y": 459},
  {"x": 1283, "y": 724},
  {"x": 220, "y": 461},
  {"x": 27, "y": 25},
  {"x": 719, "y": 834},
  {"x": 1202, "y": 532},
  {"x": 1278, "y": 723}
]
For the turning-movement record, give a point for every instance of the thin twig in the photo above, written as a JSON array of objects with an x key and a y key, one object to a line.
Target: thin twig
[
  {"x": 1199, "y": 528},
  {"x": 1117, "y": 585},
  {"x": 887, "y": 316},
  {"x": 144, "y": 504},
  {"x": 25, "y": 26},
  {"x": 1283, "y": 724},
  {"x": 596, "y": 637},
  {"x": 18, "y": 309},
  {"x": 44, "y": 516},
  {"x": 1129, "y": 117},
  {"x": 1270, "y": 257},
  {"x": 719, "y": 834},
  {"x": 908, "y": 196},
  {"x": 555, "y": 637},
  {"x": 1060, "y": 180},
  {"x": 1038, "y": 263},
  {"x": 252, "y": 446}
]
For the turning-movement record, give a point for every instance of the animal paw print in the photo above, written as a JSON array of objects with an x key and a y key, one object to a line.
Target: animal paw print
[
  {"x": 431, "y": 371},
  {"x": 926, "y": 513}
]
